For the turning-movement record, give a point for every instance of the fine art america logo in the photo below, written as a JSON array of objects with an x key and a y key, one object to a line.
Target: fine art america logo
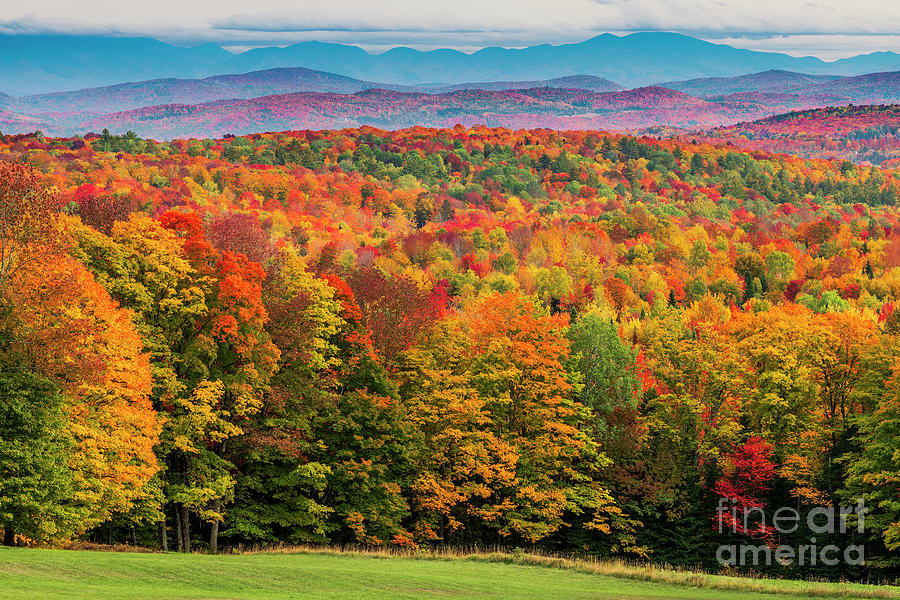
[{"x": 821, "y": 520}]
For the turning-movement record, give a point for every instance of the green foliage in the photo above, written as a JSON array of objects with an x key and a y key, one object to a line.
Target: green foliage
[
  {"x": 607, "y": 368},
  {"x": 700, "y": 255},
  {"x": 400, "y": 338},
  {"x": 779, "y": 265},
  {"x": 365, "y": 444},
  {"x": 38, "y": 490},
  {"x": 874, "y": 473},
  {"x": 829, "y": 301}
]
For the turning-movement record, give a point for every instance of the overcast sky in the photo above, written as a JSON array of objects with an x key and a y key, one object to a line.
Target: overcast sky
[{"x": 825, "y": 28}]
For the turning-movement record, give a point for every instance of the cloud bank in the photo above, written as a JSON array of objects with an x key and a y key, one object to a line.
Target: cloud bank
[{"x": 826, "y": 28}]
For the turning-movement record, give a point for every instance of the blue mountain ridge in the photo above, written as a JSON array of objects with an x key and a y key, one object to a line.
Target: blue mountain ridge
[{"x": 35, "y": 64}]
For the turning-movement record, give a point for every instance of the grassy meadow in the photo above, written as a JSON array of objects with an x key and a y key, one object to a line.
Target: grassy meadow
[{"x": 314, "y": 574}]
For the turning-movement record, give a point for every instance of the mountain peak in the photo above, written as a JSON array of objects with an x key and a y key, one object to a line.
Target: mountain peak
[{"x": 38, "y": 64}]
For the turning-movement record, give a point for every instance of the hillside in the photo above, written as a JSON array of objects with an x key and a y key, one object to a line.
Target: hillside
[
  {"x": 576, "y": 82},
  {"x": 36, "y": 64},
  {"x": 855, "y": 133},
  {"x": 541, "y": 107},
  {"x": 7, "y": 101},
  {"x": 127, "y": 96},
  {"x": 357, "y": 576},
  {"x": 298, "y": 98},
  {"x": 869, "y": 88},
  {"x": 557, "y": 108},
  {"x": 11, "y": 121},
  {"x": 873, "y": 87},
  {"x": 773, "y": 81}
]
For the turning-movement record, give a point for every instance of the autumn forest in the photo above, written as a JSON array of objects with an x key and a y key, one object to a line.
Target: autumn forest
[{"x": 564, "y": 341}]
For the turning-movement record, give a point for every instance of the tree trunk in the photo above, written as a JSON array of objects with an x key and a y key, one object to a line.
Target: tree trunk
[
  {"x": 133, "y": 536},
  {"x": 185, "y": 528},
  {"x": 214, "y": 529},
  {"x": 163, "y": 538},
  {"x": 9, "y": 535},
  {"x": 179, "y": 539}
]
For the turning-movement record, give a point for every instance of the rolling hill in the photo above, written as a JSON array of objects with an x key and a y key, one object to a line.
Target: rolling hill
[
  {"x": 298, "y": 98},
  {"x": 7, "y": 101},
  {"x": 575, "y": 82},
  {"x": 772, "y": 81},
  {"x": 862, "y": 134},
  {"x": 127, "y": 96},
  {"x": 536, "y": 107},
  {"x": 19, "y": 123},
  {"x": 871, "y": 87}
]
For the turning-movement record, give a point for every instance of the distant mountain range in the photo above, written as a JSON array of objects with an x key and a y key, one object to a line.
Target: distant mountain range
[
  {"x": 537, "y": 107},
  {"x": 574, "y": 82},
  {"x": 558, "y": 108},
  {"x": 37, "y": 64},
  {"x": 299, "y": 98},
  {"x": 872, "y": 87},
  {"x": 756, "y": 87},
  {"x": 34, "y": 64},
  {"x": 773, "y": 81},
  {"x": 126, "y": 96}
]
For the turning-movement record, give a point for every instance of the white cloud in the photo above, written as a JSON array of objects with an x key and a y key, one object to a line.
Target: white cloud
[{"x": 827, "y": 28}]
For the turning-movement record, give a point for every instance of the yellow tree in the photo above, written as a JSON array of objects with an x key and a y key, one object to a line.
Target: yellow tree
[
  {"x": 464, "y": 462},
  {"x": 68, "y": 329},
  {"x": 838, "y": 346},
  {"x": 801, "y": 377},
  {"x": 505, "y": 443},
  {"x": 26, "y": 218},
  {"x": 696, "y": 374}
]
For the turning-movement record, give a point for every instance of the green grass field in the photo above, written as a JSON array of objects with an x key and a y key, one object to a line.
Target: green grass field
[{"x": 33, "y": 573}]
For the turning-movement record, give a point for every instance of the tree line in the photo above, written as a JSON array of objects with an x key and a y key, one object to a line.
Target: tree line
[{"x": 574, "y": 342}]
